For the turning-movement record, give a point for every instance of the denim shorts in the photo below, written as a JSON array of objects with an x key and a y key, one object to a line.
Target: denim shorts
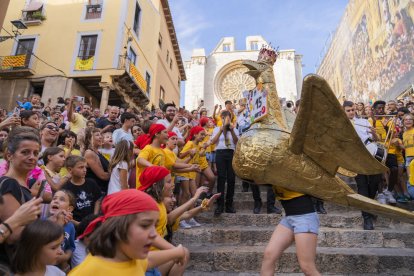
[
  {"x": 153, "y": 272},
  {"x": 179, "y": 178},
  {"x": 211, "y": 156},
  {"x": 307, "y": 223}
]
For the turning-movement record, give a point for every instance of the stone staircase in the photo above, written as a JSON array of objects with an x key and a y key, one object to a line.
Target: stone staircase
[{"x": 233, "y": 244}]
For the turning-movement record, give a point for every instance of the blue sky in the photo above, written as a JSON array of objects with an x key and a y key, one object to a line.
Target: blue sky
[{"x": 303, "y": 25}]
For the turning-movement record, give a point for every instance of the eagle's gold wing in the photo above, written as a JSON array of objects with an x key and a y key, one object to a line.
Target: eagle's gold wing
[{"x": 324, "y": 133}]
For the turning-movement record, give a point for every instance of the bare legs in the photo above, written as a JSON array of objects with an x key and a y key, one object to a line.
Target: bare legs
[{"x": 281, "y": 239}]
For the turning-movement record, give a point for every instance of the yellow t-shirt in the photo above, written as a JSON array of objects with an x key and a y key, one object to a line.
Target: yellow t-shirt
[
  {"x": 394, "y": 149},
  {"x": 155, "y": 156},
  {"x": 380, "y": 128},
  {"x": 170, "y": 159},
  {"x": 207, "y": 139},
  {"x": 408, "y": 141},
  {"x": 188, "y": 146},
  {"x": 63, "y": 171},
  {"x": 285, "y": 194},
  {"x": 162, "y": 223},
  {"x": 98, "y": 266},
  {"x": 411, "y": 173},
  {"x": 78, "y": 123},
  {"x": 202, "y": 160}
]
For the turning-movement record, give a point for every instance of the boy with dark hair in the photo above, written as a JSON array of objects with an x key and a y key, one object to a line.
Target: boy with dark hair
[
  {"x": 128, "y": 120},
  {"x": 87, "y": 192}
]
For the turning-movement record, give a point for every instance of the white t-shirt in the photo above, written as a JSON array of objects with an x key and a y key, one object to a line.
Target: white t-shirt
[
  {"x": 362, "y": 128},
  {"x": 115, "y": 181},
  {"x": 221, "y": 144},
  {"x": 120, "y": 135},
  {"x": 79, "y": 254},
  {"x": 52, "y": 270},
  {"x": 165, "y": 123}
]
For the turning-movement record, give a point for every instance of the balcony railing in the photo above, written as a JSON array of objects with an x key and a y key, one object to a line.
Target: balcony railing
[
  {"x": 126, "y": 64},
  {"x": 18, "y": 65},
  {"x": 93, "y": 11}
]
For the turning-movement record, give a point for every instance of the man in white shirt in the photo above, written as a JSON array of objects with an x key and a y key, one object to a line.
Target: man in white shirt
[
  {"x": 128, "y": 120},
  {"x": 171, "y": 117},
  {"x": 367, "y": 184}
]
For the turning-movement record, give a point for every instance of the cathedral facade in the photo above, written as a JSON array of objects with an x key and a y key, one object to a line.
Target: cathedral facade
[{"x": 220, "y": 76}]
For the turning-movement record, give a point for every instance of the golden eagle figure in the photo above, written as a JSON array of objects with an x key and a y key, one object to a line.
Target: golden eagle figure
[{"x": 303, "y": 155}]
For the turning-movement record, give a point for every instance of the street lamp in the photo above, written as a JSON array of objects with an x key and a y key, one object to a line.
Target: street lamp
[{"x": 17, "y": 25}]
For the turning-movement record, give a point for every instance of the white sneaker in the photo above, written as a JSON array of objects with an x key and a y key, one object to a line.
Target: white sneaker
[
  {"x": 193, "y": 223},
  {"x": 381, "y": 198},
  {"x": 184, "y": 225},
  {"x": 389, "y": 197}
]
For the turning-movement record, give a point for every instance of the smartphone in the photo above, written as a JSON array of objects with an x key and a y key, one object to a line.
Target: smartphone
[
  {"x": 80, "y": 99},
  {"x": 41, "y": 189},
  {"x": 16, "y": 111}
]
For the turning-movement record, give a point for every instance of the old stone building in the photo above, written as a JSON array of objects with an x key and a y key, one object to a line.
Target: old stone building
[{"x": 220, "y": 76}]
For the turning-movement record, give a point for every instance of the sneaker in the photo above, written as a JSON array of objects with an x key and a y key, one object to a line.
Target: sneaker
[
  {"x": 193, "y": 223},
  {"x": 389, "y": 197},
  {"x": 381, "y": 198},
  {"x": 184, "y": 225},
  {"x": 402, "y": 199}
]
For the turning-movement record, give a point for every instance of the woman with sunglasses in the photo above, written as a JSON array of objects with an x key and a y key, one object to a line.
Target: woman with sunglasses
[{"x": 49, "y": 133}]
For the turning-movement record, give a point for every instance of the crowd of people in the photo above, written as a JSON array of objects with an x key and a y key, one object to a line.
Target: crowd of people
[
  {"x": 105, "y": 188},
  {"x": 82, "y": 191}
]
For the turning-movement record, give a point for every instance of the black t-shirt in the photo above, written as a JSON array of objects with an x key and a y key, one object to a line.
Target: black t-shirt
[
  {"x": 103, "y": 122},
  {"x": 86, "y": 196},
  {"x": 11, "y": 186},
  {"x": 21, "y": 194}
]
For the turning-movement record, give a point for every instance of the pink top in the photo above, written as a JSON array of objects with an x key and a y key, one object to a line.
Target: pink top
[{"x": 36, "y": 173}]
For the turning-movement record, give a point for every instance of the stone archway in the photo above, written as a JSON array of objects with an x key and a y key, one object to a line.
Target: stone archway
[{"x": 231, "y": 81}]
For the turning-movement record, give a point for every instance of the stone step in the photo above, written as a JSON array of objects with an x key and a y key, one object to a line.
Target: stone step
[
  {"x": 251, "y": 273},
  {"x": 352, "y": 261},
  {"x": 328, "y": 237},
  {"x": 350, "y": 219}
]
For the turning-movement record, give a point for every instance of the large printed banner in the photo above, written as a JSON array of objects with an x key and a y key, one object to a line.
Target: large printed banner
[
  {"x": 371, "y": 55},
  {"x": 84, "y": 64}
]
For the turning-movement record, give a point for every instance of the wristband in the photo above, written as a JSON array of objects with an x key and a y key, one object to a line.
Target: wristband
[{"x": 8, "y": 227}]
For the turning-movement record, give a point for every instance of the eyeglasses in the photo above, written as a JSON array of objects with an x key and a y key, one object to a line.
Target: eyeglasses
[{"x": 52, "y": 127}]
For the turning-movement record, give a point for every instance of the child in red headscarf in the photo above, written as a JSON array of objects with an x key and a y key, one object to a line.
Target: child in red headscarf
[
  {"x": 120, "y": 239},
  {"x": 151, "y": 152},
  {"x": 156, "y": 181}
]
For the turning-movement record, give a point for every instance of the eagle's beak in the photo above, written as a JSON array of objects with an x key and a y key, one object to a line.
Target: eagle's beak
[{"x": 255, "y": 68}]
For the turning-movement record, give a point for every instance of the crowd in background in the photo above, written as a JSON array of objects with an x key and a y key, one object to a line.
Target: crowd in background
[{"x": 117, "y": 185}]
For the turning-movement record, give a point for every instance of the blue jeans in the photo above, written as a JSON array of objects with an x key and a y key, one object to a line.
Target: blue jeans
[
  {"x": 306, "y": 223},
  {"x": 410, "y": 189},
  {"x": 153, "y": 272}
]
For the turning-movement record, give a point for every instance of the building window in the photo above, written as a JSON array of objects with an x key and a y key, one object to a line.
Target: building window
[
  {"x": 137, "y": 18},
  {"x": 148, "y": 80},
  {"x": 93, "y": 9},
  {"x": 160, "y": 40},
  {"x": 33, "y": 12},
  {"x": 168, "y": 56},
  {"x": 170, "y": 63},
  {"x": 226, "y": 47},
  {"x": 254, "y": 45},
  {"x": 25, "y": 47},
  {"x": 162, "y": 93},
  {"x": 87, "y": 46},
  {"x": 132, "y": 56}
]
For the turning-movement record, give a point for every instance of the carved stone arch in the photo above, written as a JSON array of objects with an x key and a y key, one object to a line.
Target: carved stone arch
[{"x": 231, "y": 80}]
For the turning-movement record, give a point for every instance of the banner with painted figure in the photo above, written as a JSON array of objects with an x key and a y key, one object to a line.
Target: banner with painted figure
[
  {"x": 84, "y": 64},
  {"x": 371, "y": 55}
]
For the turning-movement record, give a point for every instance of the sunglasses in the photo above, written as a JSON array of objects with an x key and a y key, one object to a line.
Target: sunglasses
[{"x": 52, "y": 127}]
